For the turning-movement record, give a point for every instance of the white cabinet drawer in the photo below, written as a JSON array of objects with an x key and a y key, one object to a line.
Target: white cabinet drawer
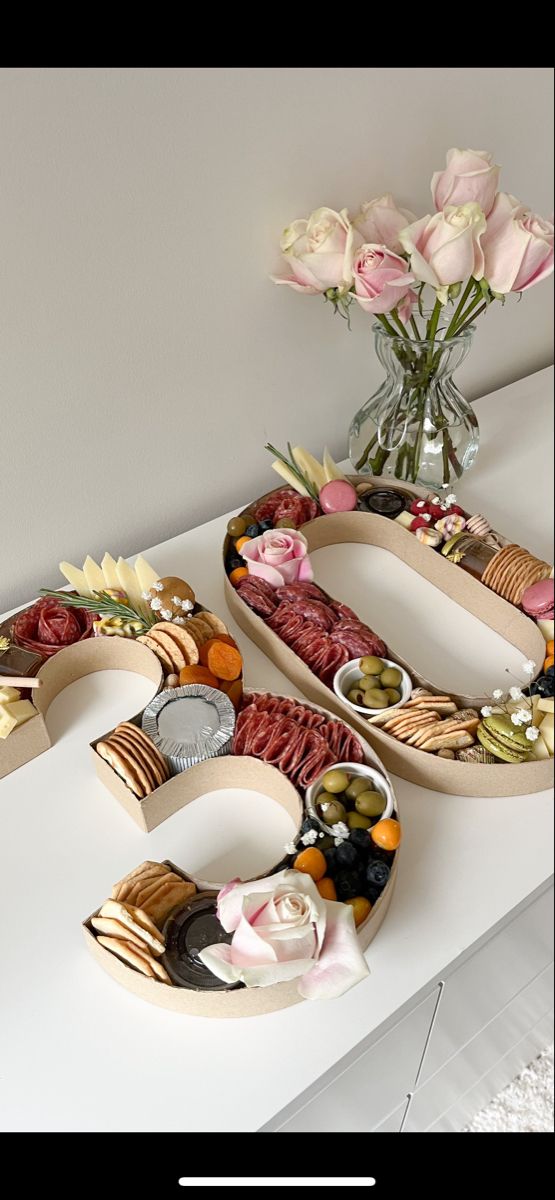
[
  {"x": 459, "y": 1115},
  {"x": 481, "y": 1054},
  {"x": 485, "y": 983},
  {"x": 359, "y": 1097}
]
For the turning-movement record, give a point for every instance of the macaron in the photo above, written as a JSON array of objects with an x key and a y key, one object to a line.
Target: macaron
[
  {"x": 338, "y": 496},
  {"x": 503, "y": 739},
  {"x": 538, "y": 600}
]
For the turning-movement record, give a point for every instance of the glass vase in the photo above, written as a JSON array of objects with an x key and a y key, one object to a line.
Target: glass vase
[{"x": 417, "y": 427}]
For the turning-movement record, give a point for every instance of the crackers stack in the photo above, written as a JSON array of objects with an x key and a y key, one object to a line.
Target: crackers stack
[
  {"x": 135, "y": 758},
  {"x": 512, "y": 570},
  {"x": 431, "y": 723},
  {"x": 129, "y": 932},
  {"x": 178, "y": 646},
  {"x": 155, "y": 889}
]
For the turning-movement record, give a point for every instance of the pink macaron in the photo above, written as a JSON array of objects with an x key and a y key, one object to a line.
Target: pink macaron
[{"x": 538, "y": 600}]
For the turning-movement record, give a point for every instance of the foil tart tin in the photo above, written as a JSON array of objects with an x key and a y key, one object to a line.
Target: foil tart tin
[{"x": 189, "y": 724}]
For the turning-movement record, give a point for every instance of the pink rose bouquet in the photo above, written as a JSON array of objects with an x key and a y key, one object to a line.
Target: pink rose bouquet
[
  {"x": 283, "y": 929},
  {"x": 279, "y": 556}
]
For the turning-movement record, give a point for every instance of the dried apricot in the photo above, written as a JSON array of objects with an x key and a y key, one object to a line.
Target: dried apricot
[
  {"x": 237, "y": 574},
  {"x": 386, "y": 833},
  {"x": 361, "y": 908},
  {"x": 234, "y": 690},
  {"x": 312, "y": 862},
  {"x": 224, "y": 661},
  {"x": 196, "y": 674},
  {"x": 326, "y": 888},
  {"x": 218, "y": 637}
]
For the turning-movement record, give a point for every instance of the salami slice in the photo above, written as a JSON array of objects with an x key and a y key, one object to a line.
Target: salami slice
[
  {"x": 302, "y": 591},
  {"x": 48, "y": 626}
]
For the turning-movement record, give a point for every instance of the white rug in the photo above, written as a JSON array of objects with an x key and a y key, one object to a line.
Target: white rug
[{"x": 525, "y": 1106}]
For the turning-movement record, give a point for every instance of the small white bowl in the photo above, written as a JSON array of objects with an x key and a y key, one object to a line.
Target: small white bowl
[
  {"x": 346, "y": 677},
  {"x": 376, "y": 783}
]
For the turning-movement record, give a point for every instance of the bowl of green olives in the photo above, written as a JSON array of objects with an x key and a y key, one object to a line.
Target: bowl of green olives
[
  {"x": 371, "y": 684},
  {"x": 351, "y": 793}
]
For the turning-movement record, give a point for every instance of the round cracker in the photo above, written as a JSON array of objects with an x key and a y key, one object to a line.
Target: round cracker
[
  {"x": 142, "y": 754},
  {"x": 111, "y": 927},
  {"x": 215, "y": 622},
  {"x": 159, "y": 651},
  {"x": 123, "y": 765},
  {"x": 170, "y": 646},
  {"x": 124, "y": 742},
  {"x": 142, "y": 739},
  {"x": 130, "y": 954},
  {"x": 183, "y": 639}
]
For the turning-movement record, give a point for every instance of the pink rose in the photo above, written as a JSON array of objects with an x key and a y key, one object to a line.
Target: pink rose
[
  {"x": 380, "y": 221},
  {"x": 469, "y": 175},
  {"x": 318, "y": 252},
  {"x": 382, "y": 281},
  {"x": 445, "y": 248},
  {"x": 283, "y": 929},
  {"x": 279, "y": 556},
  {"x": 517, "y": 245}
]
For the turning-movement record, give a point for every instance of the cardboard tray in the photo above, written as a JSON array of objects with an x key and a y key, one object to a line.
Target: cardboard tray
[
  {"x": 65, "y": 667},
  {"x": 230, "y": 771},
  {"x": 427, "y": 770}
]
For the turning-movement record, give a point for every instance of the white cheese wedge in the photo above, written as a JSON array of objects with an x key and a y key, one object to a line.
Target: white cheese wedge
[
  {"x": 110, "y": 572},
  {"x": 130, "y": 584},
  {"x": 546, "y": 704},
  {"x": 539, "y": 751},
  {"x": 331, "y": 469},
  {"x": 405, "y": 519},
  {"x": 546, "y": 627},
  {"x": 14, "y": 714},
  {"x": 76, "y": 578},
  {"x": 310, "y": 467},
  {"x": 93, "y": 575},
  {"x": 7, "y": 694},
  {"x": 146, "y": 574},
  {"x": 289, "y": 477}
]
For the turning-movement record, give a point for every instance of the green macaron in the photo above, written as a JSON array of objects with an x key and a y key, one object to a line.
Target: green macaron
[{"x": 507, "y": 741}]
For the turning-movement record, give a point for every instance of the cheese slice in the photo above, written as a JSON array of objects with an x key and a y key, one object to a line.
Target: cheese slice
[
  {"x": 289, "y": 477},
  {"x": 110, "y": 572},
  {"x": 405, "y": 519},
  {"x": 310, "y": 467},
  {"x": 546, "y": 627},
  {"x": 8, "y": 694},
  {"x": 146, "y": 574},
  {"x": 130, "y": 584},
  {"x": 14, "y": 714},
  {"x": 76, "y": 578},
  {"x": 93, "y": 575},
  {"x": 331, "y": 469},
  {"x": 539, "y": 751},
  {"x": 546, "y": 732},
  {"x": 546, "y": 704}
]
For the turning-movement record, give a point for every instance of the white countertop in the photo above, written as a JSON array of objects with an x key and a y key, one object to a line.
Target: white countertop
[{"x": 78, "y": 1052}]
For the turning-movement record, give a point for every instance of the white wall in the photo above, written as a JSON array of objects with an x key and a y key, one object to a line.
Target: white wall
[{"x": 146, "y": 358}]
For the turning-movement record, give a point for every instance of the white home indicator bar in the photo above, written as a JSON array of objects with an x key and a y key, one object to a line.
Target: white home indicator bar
[{"x": 278, "y": 1181}]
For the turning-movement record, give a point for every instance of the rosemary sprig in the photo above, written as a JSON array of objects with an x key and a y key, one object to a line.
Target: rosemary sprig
[
  {"x": 295, "y": 470},
  {"x": 102, "y": 604}
]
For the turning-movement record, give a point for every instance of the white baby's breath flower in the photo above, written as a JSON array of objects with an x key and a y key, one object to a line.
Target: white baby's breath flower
[
  {"x": 310, "y": 837},
  {"x": 158, "y": 586},
  {"x": 532, "y": 733},
  {"x": 179, "y": 620},
  {"x": 451, "y": 499},
  {"x": 497, "y": 694},
  {"x": 340, "y": 832},
  {"x": 166, "y": 614},
  {"x": 145, "y": 595},
  {"x": 176, "y": 600},
  {"x": 515, "y": 693},
  {"x": 487, "y": 710},
  {"x": 529, "y": 666},
  {"x": 290, "y": 848},
  {"x": 155, "y": 603},
  {"x": 187, "y": 605},
  {"x": 515, "y": 718},
  {"x": 525, "y": 716}
]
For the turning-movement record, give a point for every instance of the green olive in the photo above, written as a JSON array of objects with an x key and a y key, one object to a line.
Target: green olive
[
  {"x": 236, "y": 526},
  {"x": 356, "y": 696},
  {"x": 332, "y": 811},
  {"x": 376, "y": 698},
  {"x": 394, "y": 695},
  {"x": 285, "y": 523},
  {"x": 335, "y": 781},
  {"x": 391, "y": 677},
  {"x": 325, "y": 842},
  {"x": 357, "y": 785},
  {"x": 367, "y": 681},
  {"x": 370, "y": 804},
  {"x": 356, "y": 820},
  {"x": 370, "y": 665}
]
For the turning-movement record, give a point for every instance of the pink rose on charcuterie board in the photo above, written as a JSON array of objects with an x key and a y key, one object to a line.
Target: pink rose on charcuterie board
[
  {"x": 279, "y": 556},
  {"x": 283, "y": 929}
]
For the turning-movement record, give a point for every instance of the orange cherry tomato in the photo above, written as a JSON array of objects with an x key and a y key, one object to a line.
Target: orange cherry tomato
[
  {"x": 548, "y": 662},
  {"x": 312, "y": 862},
  {"x": 241, "y": 542},
  {"x": 326, "y": 888},
  {"x": 237, "y": 574},
  {"x": 550, "y": 648},
  {"x": 361, "y": 908},
  {"x": 386, "y": 833}
]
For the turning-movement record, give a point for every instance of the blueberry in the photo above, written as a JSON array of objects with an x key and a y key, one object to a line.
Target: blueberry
[
  {"x": 252, "y": 530},
  {"x": 264, "y": 525},
  {"x": 549, "y": 672},
  {"x": 377, "y": 873},
  {"x": 346, "y": 855},
  {"x": 310, "y": 823},
  {"x": 329, "y": 856},
  {"x": 234, "y": 561},
  {"x": 348, "y": 884},
  {"x": 544, "y": 685},
  {"x": 360, "y": 840}
]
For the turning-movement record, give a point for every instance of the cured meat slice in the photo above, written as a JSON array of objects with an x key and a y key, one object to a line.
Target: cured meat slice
[
  {"x": 259, "y": 603},
  {"x": 343, "y": 610},
  {"x": 315, "y": 610},
  {"x": 343, "y": 744},
  {"x": 48, "y": 626},
  {"x": 303, "y": 591},
  {"x": 259, "y": 585}
]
